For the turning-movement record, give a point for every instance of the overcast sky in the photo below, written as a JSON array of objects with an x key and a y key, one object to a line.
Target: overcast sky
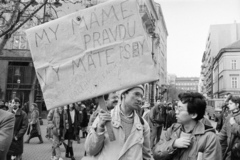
[{"x": 188, "y": 24}]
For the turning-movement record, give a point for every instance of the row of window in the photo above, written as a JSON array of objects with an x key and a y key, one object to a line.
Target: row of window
[
  {"x": 187, "y": 88},
  {"x": 186, "y": 84}
]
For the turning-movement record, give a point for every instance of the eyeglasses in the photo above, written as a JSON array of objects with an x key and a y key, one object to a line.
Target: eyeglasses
[{"x": 180, "y": 109}]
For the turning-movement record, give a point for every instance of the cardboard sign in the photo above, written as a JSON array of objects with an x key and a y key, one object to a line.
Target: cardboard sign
[{"x": 92, "y": 52}]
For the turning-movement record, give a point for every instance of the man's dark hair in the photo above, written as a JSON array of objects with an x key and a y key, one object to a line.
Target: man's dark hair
[
  {"x": 196, "y": 103},
  {"x": 16, "y": 100},
  {"x": 235, "y": 99},
  {"x": 106, "y": 97},
  {"x": 229, "y": 97}
]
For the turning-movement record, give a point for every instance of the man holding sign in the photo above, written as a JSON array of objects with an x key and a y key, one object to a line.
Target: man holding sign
[{"x": 132, "y": 133}]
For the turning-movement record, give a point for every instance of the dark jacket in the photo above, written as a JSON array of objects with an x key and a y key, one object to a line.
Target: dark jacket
[
  {"x": 203, "y": 140},
  {"x": 76, "y": 127},
  {"x": 222, "y": 118},
  {"x": 84, "y": 118},
  {"x": 7, "y": 121},
  {"x": 158, "y": 115},
  {"x": 228, "y": 133},
  {"x": 20, "y": 128}
]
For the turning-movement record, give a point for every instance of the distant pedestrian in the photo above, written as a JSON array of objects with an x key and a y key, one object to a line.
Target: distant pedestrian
[
  {"x": 230, "y": 131},
  {"x": 73, "y": 131},
  {"x": 225, "y": 112},
  {"x": 57, "y": 126},
  {"x": 26, "y": 108},
  {"x": 171, "y": 116},
  {"x": 189, "y": 138},
  {"x": 20, "y": 128},
  {"x": 84, "y": 121},
  {"x": 7, "y": 121},
  {"x": 34, "y": 129},
  {"x": 157, "y": 118},
  {"x": 146, "y": 114}
]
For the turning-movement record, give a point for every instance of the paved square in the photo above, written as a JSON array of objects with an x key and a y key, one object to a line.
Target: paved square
[{"x": 35, "y": 151}]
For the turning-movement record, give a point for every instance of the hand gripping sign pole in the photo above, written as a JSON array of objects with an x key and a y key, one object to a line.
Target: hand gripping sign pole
[{"x": 108, "y": 124}]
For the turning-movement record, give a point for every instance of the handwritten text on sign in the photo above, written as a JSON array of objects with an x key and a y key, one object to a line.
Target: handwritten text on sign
[{"x": 91, "y": 52}]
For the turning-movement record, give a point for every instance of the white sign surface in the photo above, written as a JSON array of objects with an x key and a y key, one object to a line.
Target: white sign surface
[{"x": 91, "y": 52}]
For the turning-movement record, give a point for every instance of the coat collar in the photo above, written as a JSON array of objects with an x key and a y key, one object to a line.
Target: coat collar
[
  {"x": 236, "y": 113},
  {"x": 19, "y": 112},
  {"x": 198, "y": 129},
  {"x": 116, "y": 119}
]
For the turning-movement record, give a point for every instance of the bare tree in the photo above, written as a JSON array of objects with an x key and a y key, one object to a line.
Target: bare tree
[{"x": 15, "y": 13}]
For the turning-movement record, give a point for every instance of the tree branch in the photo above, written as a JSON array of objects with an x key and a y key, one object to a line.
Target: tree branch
[
  {"x": 29, "y": 17},
  {"x": 11, "y": 19}
]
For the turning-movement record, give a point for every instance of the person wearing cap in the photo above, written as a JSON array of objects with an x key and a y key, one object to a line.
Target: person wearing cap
[
  {"x": 132, "y": 132},
  {"x": 34, "y": 125}
]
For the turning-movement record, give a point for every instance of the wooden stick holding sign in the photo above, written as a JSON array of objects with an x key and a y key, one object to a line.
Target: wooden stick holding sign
[{"x": 108, "y": 124}]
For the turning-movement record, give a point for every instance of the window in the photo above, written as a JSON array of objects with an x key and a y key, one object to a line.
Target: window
[
  {"x": 234, "y": 64},
  {"x": 234, "y": 82},
  {"x": 20, "y": 41}
]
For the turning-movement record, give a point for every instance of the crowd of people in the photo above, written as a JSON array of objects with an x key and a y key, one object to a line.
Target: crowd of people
[{"x": 137, "y": 128}]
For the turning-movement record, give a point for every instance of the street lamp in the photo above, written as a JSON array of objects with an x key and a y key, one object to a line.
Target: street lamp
[
  {"x": 34, "y": 3},
  {"x": 57, "y": 4},
  {"x": 39, "y": 102}
]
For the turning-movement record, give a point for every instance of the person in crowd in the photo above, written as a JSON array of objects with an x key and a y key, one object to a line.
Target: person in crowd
[
  {"x": 224, "y": 113},
  {"x": 6, "y": 106},
  {"x": 205, "y": 120},
  {"x": 168, "y": 116},
  {"x": 10, "y": 106},
  {"x": 3, "y": 105},
  {"x": 84, "y": 122},
  {"x": 73, "y": 131},
  {"x": 20, "y": 128},
  {"x": 171, "y": 116},
  {"x": 34, "y": 125},
  {"x": 189, "y": 138},
  {"x": 164, "y": 110},
  {"x": 26, "y": 107},
  {"x": 157, "y": 118},
  {"x": 57, "y": 125},
  {"x": 7, "y": 121},
  {"x": 146, "y": 110},
  {"x": 132, "y": 132},
  {"x": 146, "y": 114},
  {"x": 111, "y": 102},
  {"x": 231, "y": 131}
]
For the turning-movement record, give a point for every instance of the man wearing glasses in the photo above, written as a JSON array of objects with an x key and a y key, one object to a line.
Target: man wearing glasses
[
  {"x": 189, "y": 138},
  {"x": 131, "y": 131}
]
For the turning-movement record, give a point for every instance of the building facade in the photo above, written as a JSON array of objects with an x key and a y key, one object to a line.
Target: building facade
[
  {"x": 219, "y": 37},
  {"x": 171, "y": 79},
  {"x": 156, "y": 20},
  {"x": 226, "y": 71},
  {"x": 187, "y": 84}
]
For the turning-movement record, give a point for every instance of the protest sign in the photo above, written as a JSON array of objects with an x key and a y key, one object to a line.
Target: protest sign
[{"x": 91, "y": 52}]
